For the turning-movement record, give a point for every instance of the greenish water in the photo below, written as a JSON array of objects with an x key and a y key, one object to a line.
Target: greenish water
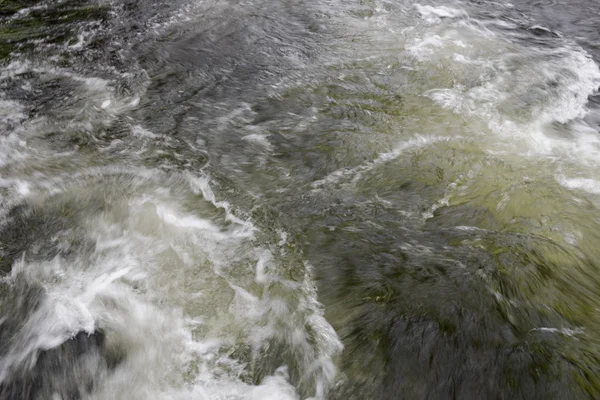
[{"x": 299, "y": 200}]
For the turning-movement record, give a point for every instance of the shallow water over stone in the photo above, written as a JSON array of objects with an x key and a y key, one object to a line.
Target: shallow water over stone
[{"x": 299, "y": 200}]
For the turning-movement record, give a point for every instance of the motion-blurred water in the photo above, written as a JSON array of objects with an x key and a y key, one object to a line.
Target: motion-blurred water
[{"x": 304, "y": 199}]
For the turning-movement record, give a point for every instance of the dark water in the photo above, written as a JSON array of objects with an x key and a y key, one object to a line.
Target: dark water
[{"x": 299, "y": 200}]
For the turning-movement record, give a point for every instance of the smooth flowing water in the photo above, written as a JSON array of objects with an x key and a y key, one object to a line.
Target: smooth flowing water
[{"x": 260, "y": 199}]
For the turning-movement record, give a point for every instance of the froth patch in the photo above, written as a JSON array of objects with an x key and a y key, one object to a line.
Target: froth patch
[
  {"x": 586, "y": 184},
  {"x": 432, "y": 14}
]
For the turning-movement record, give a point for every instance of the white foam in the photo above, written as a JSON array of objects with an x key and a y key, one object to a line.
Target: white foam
[
  {"x": 492, "y": 79},
  {"x": 201, "y": 185},
  {"x": 81, "y": 41},
  {"x": 141, "y": 132},
  {"x": 434, "y": 14},
  {"x": 275, "y": 387},
  {"x": 562, "y": 331},
  {"x": 356, "y": 172},
  {"x": 177, "y": 291},
  {"x": 100, "y": 93},
  {"x": 13, "y": 150},
  {"x": 260, "y": 139},
  {"x": 11, "y": 112},
  {"x": 423, "y": 49},
  {"x": 13, "y": 143},
  {"x": 586, "y": 184},
  {"x": 23, "y": 12}
]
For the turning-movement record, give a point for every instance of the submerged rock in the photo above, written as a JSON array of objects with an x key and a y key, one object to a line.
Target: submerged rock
[{"x": 30, "y": 371}]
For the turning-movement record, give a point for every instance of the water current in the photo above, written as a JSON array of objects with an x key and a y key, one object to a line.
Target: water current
[{"x": 299, "y": 199}]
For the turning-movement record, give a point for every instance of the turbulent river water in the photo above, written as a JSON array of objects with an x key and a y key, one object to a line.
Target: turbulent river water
[{"x": 304, "y": 199}]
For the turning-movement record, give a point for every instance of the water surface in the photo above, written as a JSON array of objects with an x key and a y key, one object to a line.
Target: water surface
[{"x": 299, "y": 200}]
